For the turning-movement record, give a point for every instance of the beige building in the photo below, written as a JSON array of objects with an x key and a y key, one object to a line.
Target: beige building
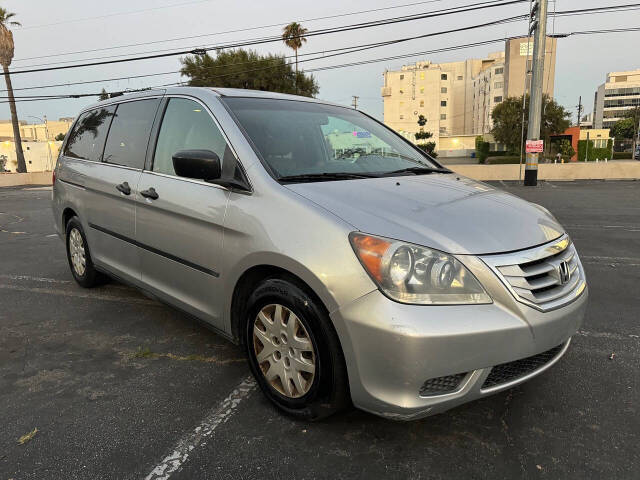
[
  {"x": 30, "y": 132},
  {"x": 619, "y": 94},
  {"x": 39, "y": 156},
  {"x": 457, "y": 98}
]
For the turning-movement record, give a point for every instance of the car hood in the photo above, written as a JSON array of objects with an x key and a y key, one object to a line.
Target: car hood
[{"x": 442, "y": 211}]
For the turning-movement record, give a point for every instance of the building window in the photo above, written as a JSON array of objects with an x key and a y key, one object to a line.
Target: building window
[
  {"x": 497, "y": 99},
  {"x": 443, "y": 90},
  {"x": 443, "y": 76},
  {"x": 443, "y": 116},
  {"x": 421, "y": 75},
  {"x": 422, "y": 103},
  {"x": 421, "y": 89},
  {"x": 401, "y": 117},
  {"x": 401, "y": 92},
  {"x": 443, "y": 103},
  {"x": 498, "y": 84},
  {"x": 459, "y": 77},
  {"x": 499, "y": 70},
  {"x": 443, "y": 130},
  {"x": 401, "y": 77}
]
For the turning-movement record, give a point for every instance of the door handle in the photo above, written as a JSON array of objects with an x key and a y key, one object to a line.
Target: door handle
[
  {"x": 150, "y": 193},
  {"x": 124, "y": 188}
]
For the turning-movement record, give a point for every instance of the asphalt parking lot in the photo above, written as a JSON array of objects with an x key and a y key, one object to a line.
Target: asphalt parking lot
[{"x": 120, "y": 386}]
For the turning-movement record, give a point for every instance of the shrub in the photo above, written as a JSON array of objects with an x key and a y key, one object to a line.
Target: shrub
[{"x": 600, "y": 153}]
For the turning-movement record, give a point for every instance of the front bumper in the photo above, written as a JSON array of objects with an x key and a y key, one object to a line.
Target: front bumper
[{"x": 391, "y": 349}]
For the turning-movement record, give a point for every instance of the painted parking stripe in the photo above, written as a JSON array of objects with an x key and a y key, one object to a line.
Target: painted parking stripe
[
  {"x": 80, "y": 294},
  {"x": 216, "y": 417}
]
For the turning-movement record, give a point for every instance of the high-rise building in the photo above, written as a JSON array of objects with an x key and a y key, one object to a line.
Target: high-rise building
[
  {"x": 619, "y": 94},
  {"x": 457, "y": 98}
]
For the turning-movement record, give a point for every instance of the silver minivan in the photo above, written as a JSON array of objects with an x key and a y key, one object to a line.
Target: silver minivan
[{"x": 351, "y": 265}]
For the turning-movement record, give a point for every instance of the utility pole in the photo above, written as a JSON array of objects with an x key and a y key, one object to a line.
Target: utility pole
[
  {"x": 537, "y": 26},
  {"x": 354, "y": 103},
  {"x": 579, "y": 109}
]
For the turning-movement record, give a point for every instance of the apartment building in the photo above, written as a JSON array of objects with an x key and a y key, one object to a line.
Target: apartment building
[
  {"x": 457, "y": 98},
  {"x": 619, "y": 94}
]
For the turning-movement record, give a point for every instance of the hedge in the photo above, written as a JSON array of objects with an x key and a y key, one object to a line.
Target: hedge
[
  {"x": 599, "y": 153},
  {"x": 622, "y": 155}
]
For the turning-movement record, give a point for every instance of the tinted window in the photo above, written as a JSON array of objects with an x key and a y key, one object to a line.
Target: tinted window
[
  {"x": 186, "y": 126},
  {"x": 87, "y": 138},
  {"x": 297, "y": 138},
  {"x": 129, "y": 133}
]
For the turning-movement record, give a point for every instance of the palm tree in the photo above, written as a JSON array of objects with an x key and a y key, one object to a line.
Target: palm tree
[
  {"x": 6, "y": 56},
  {"x": 293, "y": 37}
]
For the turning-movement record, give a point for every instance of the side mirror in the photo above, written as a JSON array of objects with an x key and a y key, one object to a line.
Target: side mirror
[{"x": 198, "y": 164}]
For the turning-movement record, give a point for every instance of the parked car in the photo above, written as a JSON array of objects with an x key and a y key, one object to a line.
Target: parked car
[{"x": 351, "y": 265}]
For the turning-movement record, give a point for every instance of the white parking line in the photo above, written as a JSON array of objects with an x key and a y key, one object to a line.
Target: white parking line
[
  {"x": 80, "y": 294},
  {"x": 214, "y": 418},
  {"x": 33, "y": 279}
]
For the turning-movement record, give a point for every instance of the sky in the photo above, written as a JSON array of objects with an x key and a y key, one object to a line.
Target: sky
[{"x": 53, "y": 28}]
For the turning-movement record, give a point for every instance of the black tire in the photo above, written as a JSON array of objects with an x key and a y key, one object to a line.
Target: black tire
[
  {"x": 329, "y": 391},
  {"x": 90, "y": 277}
]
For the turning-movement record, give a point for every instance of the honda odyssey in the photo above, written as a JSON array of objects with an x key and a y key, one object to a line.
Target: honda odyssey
[{"x": 351, "y": 265}]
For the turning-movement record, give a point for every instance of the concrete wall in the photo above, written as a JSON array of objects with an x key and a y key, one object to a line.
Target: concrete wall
[
  {"x": 14, "y": 179},
  {"x": 554, "y": 171}
]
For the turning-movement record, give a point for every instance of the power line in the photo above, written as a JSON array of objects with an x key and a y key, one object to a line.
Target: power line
[
  {"x": 348, "y": 28},
  {"x": 328, "y": 67},
  {"x": 175, "y": 39},
  {"x": 109, "y": 15},
  {"x": 197, "y": 51}
]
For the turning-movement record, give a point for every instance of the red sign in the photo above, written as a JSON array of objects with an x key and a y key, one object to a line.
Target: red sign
[{"x": 535, "y": 146}]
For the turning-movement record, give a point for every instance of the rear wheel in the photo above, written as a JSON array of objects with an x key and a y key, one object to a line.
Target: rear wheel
[
  {"x": 79, "y": 256},
  {"x": 293, "y": 351}
]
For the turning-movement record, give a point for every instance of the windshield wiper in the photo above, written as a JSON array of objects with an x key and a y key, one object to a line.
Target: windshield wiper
[
  {"x": 326, "y": 176},
  {"x": 418, "y": 170}
]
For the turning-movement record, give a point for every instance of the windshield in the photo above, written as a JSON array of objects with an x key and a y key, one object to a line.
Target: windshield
[{"x": 310, "y": 139}]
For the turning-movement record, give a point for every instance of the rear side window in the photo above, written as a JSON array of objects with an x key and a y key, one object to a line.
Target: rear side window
[
  {"x": 86, "y": 141},
  {"x": 186, "y": 126},
  {"x": 129, "y": 133}
]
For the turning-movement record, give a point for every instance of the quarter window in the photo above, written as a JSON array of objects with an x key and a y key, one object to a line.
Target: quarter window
[
  {"x": 186, "y": 125},
  {"x": 129, "y": 133},
  {"x": 87, "y": 138}
]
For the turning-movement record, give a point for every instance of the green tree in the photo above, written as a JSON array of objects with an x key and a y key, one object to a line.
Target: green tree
[
  {"x": 566, "y": 149},
  {"x": 428, "y": 147},
  {"x": 293, "y": 37},
  {"x": 627, "y": 126},
  {"x": 60, "y": 137},
  {"x": 507, "y": 121},
  {"x": 247, "y": 69},
  {"x": 104, "y": 95},
  {"x": 6, "y": 57}
]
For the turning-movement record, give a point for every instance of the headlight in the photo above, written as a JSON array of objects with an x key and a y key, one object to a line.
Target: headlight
[{"x": 411, "y": 274}]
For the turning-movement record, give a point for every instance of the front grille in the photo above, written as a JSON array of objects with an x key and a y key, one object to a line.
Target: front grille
[
  {"x": 441, "y": 385},
  {"x": 538, "y": 278},
  {"x": 507, "y": 372}
]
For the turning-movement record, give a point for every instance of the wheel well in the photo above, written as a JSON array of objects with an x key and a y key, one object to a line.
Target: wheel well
[
  {"x": 249, "y": 281},
  {"x": 67, "y": 215}
]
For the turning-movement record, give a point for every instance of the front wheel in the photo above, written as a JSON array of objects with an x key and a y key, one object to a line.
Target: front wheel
[{"x": 294, "y": 352}]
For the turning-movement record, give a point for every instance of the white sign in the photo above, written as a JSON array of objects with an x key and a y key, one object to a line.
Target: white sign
[
  {"x": 523, "y": 48},
  {"x": 535, "y": 146}
]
